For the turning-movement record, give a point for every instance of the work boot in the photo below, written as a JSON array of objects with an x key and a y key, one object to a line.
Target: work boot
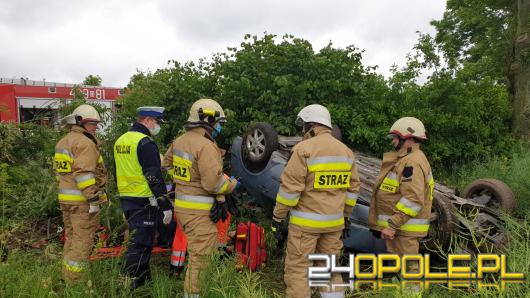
[{"x": 140, "y": 280}]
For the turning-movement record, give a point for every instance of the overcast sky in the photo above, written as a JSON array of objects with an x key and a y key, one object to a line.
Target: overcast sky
[{"x": 65, "y": 40}]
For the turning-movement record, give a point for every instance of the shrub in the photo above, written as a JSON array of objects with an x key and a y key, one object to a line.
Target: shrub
[{"x": 271, "y": 79}]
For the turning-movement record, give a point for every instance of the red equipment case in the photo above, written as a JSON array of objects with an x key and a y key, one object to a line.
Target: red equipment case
[{"x": 250, "y": 245}]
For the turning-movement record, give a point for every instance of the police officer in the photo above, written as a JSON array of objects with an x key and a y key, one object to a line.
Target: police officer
[
  {"x": 319, "y": 187},
  {"x": 402, "y": 197},
  {"x": 196, "y": 164},
  {"x": 142, "y": 190},
  {"x": 82, "y": 179}
]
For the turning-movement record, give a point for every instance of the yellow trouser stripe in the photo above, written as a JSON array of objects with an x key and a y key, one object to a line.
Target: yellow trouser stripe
[
  {"x": 305, "y": 222},
  {"x": 406, "y": 227},
  {"x": 316, "y": 220},
  {"x": 68, "y": 197},
  {"x": 193, "y": 205},
  {"x": 73, "y": 266},
  {"x": 71, "y": 195}
]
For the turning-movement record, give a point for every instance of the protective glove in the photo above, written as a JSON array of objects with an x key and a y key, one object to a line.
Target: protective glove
[
  {"x": 346, "y": 230},
  {"x": 168, "y": 214},
  {"x": 93, "y": 209},
  {"x": 276, "y": 227},
  {"x": 163, "y": 202},
  {"x": 376, "y": 233},
  {"x": 219, "y": 211},
  {"x": 232, "y": 204}
]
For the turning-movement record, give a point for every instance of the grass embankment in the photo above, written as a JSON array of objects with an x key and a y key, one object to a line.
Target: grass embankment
[{"x": 37, "y": 272}]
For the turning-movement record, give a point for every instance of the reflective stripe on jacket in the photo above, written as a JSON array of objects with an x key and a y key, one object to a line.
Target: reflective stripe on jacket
[
  {"x": 79, "y": 173},
  {"x": 195, "y": 163},
  {"x": 320, "y": 183},
  {"x": 129, "y": 175},
  {"x": 403, "y": 193}
]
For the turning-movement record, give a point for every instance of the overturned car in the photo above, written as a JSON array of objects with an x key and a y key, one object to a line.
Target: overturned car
[{"x": 259, "y": 157}]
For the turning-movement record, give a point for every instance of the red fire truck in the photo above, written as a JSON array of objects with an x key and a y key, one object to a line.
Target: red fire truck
[{"x": 23, "y": 100}]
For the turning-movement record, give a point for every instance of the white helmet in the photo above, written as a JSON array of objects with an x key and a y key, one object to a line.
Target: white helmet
[
  {"x": 314, "y": 113},
  {"x": 83, "y": 114},
  {"x": 409, "y": 127},
  {"x": 206, "y": 110}
]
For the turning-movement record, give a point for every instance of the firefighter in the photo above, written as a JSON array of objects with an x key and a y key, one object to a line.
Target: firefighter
[
  {"x": 319, "y": 188},
  {"x": 402, "y": 196},
  {"x": 82, "y": 180},
  {"x": 142, "y": 191},
  {"x": 196, "y": 166}
]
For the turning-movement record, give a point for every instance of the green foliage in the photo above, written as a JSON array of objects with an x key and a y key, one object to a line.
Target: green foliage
[
  {"x": 478, "y": 34},
  {"x": 28, "y": 184},
  {"x": 270, "y": 79},
  {"x": 92, "y": 80}
]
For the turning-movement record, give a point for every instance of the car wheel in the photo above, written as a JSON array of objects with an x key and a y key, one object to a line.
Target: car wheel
[
  {"x": 491, "y": 192},
  {"x": 441, "y": 227},
  {"x": 259, "y": 143}
]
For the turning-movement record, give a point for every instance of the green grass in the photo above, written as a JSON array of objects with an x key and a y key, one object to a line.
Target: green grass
[
  {"x": 37, "y": 272},
  {"x": 514, "y": 171}
]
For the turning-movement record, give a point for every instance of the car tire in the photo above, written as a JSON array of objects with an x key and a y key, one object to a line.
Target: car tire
[
  {"x": 258, "y": 144},
  {"x": 441, "y": 228},
  {"x": 501, "y": 194}
]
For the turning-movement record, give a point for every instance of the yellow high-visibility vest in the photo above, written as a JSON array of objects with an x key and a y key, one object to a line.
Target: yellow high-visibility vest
[{"x": 129, "y": 175}]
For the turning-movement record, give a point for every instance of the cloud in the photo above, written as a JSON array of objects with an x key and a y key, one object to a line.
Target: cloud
[{"x": 66, "y": 40}]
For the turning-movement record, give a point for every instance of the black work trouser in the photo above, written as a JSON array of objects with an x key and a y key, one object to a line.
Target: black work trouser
[{"x": 143, "y": 223}]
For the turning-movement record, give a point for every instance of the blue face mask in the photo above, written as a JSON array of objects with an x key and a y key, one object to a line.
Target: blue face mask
[{"x": 216, "y": 130}]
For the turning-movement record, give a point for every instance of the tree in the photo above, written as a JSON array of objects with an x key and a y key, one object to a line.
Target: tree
[
  {"x": 271, "y": 78},
  {"x": 92, "y": 80},
  {"x": 489, "y": 38},
  {"x": 520, "y": 71}
]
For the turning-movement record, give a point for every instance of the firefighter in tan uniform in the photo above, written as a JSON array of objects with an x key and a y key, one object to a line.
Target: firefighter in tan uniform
[
  {"x": 82, "y": 179},
  {"x": 196, "y": 166},
  {"x": 402, "y": 197},
  {"x": 319, "y": 188}
]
